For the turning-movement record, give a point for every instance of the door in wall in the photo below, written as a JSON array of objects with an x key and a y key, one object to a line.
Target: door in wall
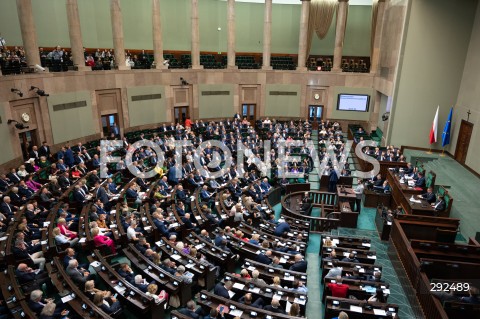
[
  {"x": 249, "y": 112},
  {"x": 110, "y": 125},
  {"x": 27, "y": 140},
  {"x": 315, "y": 113},
  {"x": 463, "y": 141},
  {"x": 180, "y": 114}
]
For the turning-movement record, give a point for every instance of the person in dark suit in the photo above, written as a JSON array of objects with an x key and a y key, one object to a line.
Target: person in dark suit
[
  {"x": 351, "y": 258},
  {"x": 45, "y": 150},
  {"x": 191, "y": 312},
  {"x": 68, "y": 157},
  {"x": 429, "y": 196},
  {"x": 13, "y": 177},
  {"x": 7, "y": 209},
  {"x": 440, "y": 205},
  {"x": 78, "y": 195},
  {"x": 64, "y": 181},
  {"x": 141, "y": 283},
  {"x": 275, "y": 306},
  {"x": 223, "y": 289},
  {"x": 420, "y": 181},
  {"x": 172, "y": 174},
  {"x": 332, "y": 181},
  {"x": 126, "y": 272},
  {"x": 300, "y": 264},
  {"x": 180, "y": 194},
  {"x": 282, "y": 229},
  {"x": 265, "y": 258}
]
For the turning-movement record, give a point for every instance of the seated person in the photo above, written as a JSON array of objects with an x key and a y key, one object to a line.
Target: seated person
[
  {"x": 275, "y": 306},
  {"x": 338, "y": 289},
  {"x": 300, "y": 264},
  {"x": 429, "y": 196},
  {"x": 420, "y": 182},
  {"x": 110, "y": 306},
  {"x": 37, "y": 303},
  {"x": 351, "y": 258},
  {"x": 440, "y": 204},
  {"x": 247, "y": 300},
  {"x": 191, "y": 310}
]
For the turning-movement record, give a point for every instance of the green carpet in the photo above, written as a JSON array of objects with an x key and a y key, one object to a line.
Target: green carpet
[{"x": 366, "y": 219}]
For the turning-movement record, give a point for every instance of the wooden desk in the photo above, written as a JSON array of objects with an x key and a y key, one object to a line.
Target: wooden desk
[
  {"x": 422, "y": 208},
  {"x": 383, "y": 227},
  {"x": 374, "y": 199},
  {"x": 332, "y": 310},
  {"x": 398, "y": 189}
]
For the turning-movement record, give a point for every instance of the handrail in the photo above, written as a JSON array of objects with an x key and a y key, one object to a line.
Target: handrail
[{"x": 317, "y": 224}]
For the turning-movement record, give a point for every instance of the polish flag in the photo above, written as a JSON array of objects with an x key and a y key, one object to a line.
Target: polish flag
[{"x": 433, "y": 130}]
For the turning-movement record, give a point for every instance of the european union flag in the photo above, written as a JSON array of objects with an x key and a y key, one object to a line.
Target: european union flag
[{"x": 446, "y": 129}]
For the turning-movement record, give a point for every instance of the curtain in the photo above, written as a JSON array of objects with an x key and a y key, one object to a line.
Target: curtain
[
  {"x": 374, "y": 25},
  {"x": 319, "y": 20}
]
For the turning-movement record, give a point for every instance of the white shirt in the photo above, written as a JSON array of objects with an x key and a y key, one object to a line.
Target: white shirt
[{"x": 131, "y": 233}]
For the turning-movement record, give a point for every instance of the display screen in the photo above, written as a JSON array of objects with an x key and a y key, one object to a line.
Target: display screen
[{"x": 353, "y": 102}]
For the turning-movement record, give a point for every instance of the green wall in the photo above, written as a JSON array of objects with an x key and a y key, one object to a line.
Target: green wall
[
  {"x": 73, "y": 123},
  {"x": 468, "y": 99},
  {"x": 148, "y": 111},
  {"x": 282, "y": 105},
  {"x": 434, "y": 54},
  {"x": 52, "y": 27},
  {"x": 215, "y": 106},
  {"x": 7, "y": 151},
  {"x": 351, "y": 115}
]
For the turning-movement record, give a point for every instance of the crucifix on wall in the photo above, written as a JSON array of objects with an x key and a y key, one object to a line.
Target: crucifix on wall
[{"x": 468, "y": 115}]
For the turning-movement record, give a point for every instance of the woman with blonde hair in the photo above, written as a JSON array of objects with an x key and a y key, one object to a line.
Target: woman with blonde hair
[
  {"x": 152, "y": 291},
  {"x": 276, "y": 282},
  {"x": 62, "y": 239}
]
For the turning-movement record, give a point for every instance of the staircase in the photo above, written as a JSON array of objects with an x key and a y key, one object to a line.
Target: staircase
[{"x": 313, "y": 178}]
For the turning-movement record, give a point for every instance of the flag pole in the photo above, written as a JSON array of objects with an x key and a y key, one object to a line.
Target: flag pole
[
  {"x": 430, "y": 150},
  {"x": 443, "y": 152}
]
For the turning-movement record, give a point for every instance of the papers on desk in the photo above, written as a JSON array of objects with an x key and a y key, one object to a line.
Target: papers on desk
[
  {"x": 251, "y": 268},
  {"x": 217, "y": 203},
  {"x": 147, "y": 228},
  {"x": 67, "y": 298},
  {"x": 389, "y": 223},
  {"x": 366, "y": 244},
  {"x": 300, "y": 301},
  {"x": 3, "y": 238},
  {"x": 95, "y": 264},
  {"x": 238, "y": 286},
  {"x": 82, "y": 240},
  {"x": 231, "y": 293},
  {"x": 119, "y": 289},
  {"x": 43, "y": 242},
  {"x": 372, "y": 257},
  {"x": 176, "y": 257},
  {"x": 287, "y": 308},
  {"x": 361, "y": 270},
  {"x": 356, "y": 309},
  {"x": 346, "y": 254},
  {"x": 236, "y": 313},
  {"x": 289, "y": 278},
  {"x": 45, "y": 224},
  {"x": 283, "y": 260},
  {"x": 115, "y": 197},
  {"x": 173, "y": 225},
  {"x": 198, "y": 217},
  {"x": 189, "y": 265},
  {"x": 290, "y": 234},
  {"x": 255, "y": 290},
  {"x": 199, "y": 246},
  {"x": 224, "y": 216},
  {"x": 386, "y": 291},
  {"x": 413, "y": 200},
  {"x": 379, "y": 312},
  {"x": 113, "y": 226}
]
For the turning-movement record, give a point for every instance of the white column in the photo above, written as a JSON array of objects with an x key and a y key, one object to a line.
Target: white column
[
  {"x": 302, "y": 42},
  {"x": 267, "y": 35},
  {"x": 117, "y": 32},
  {"x": 29, "y": 34},
  {"x": 231, "y": 34},
  {"x": 340, "y": 34},
  {"x": 157, "y": 35},
  {"x": 75, "y": 32},
  {"x": 195, "y": 37}
]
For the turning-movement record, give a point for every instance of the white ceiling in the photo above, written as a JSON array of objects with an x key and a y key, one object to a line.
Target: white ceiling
[{"x": 351, "y": 2}]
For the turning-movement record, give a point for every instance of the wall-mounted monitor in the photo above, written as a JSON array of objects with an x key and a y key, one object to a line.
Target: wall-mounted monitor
[{"x": 353, "y": 102}]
